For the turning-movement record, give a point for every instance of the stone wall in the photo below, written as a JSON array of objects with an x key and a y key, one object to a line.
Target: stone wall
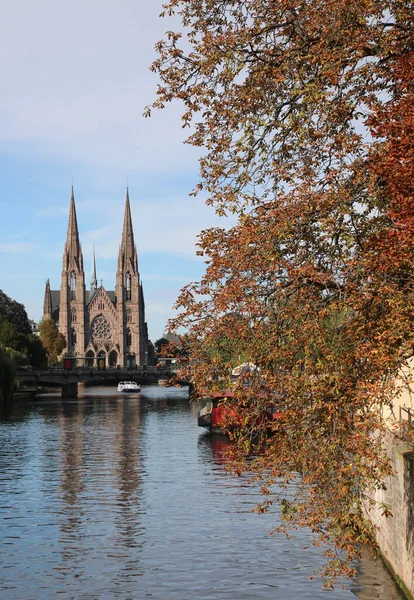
[{"x": 395, "y": 534}]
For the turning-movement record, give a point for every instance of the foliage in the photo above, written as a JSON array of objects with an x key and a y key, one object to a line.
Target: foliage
[
  {"x": 160, "y": 343},
  {"x": 305, "y": 112},
  {"x": 14, "y": 313},
  {"x": 7, "y": 371},
  {"x": 36, "y": 352},
  {"x": 18, "y": 358},
  {"x": 53, "y": 341},
  {"x": 22, "y": 346}
]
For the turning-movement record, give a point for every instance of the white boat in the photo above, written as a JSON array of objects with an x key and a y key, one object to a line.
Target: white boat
[{"x": 128, "y": 387}]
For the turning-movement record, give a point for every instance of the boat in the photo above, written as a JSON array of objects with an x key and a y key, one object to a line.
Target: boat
[
  {"x": 128, "y": 387},
  {"x": 214, "y": 415}
]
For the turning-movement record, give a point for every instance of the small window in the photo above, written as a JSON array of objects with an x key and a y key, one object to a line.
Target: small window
[
  {"x": 73, "y": 337},
  {"x": 129, "y": 315},
  {"x": 128, "y": 339},
  {"x": 128, "y": 286},
  {"x": 73, "y": 315},
  {"x": 73, "y": 285}
]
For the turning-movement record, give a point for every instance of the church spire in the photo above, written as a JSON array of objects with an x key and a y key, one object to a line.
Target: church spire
[
  {"x": 73, "y": 250},
  {"x": 127, "y": 252},
  {"x": 47, "y": 304},
  {"x": 94, "y": 281}
]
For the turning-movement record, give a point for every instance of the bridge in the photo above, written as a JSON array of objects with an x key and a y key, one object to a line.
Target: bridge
[{"x": 68, "y": 378}]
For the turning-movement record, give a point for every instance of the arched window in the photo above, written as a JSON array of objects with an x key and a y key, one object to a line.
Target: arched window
[
  {"x": 128, "y": 286},
  {"x": 73, "y": 315},
  {"x": 128, "y": 337},
  {"x": 73, "y": 285},
  {"x": 73, "y": 336},
  {"x": 129, "y": 315}
]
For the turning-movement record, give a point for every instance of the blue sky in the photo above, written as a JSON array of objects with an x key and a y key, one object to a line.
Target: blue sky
[{"x": 75, "y": 80}]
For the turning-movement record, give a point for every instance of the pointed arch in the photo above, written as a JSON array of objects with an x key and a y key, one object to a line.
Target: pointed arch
[
  {"x": 90, "y": 356},
  {"x": 112, "y": 358}
]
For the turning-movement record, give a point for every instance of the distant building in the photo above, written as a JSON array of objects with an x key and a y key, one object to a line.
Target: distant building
[
  {"x": 171, "y": 337},
  {"x": 99, "y": 323},
  {"x": 35, "y": 327}
]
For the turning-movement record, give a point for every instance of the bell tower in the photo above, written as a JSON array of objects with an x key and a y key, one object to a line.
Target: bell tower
[
  {"x": 72, "y": 290},
  {"x": 127, "y": 292}
]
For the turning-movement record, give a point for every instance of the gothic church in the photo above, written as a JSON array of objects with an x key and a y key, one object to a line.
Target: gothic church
[{"x": 98, "y": 323}]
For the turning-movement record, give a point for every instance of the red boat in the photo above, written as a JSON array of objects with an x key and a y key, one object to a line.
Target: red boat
[{"x": 213, "y": 415}]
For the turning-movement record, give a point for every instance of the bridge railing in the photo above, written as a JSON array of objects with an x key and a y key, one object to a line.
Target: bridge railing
[{"x": 79, "y": 368}]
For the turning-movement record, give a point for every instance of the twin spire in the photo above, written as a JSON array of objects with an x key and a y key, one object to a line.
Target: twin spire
[
  {"x": 73, "y": 250},
  {"x": 94, "y": 281},
  {"x": 127, "y": 251}
]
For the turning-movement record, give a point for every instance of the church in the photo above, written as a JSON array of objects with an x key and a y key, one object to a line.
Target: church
[{"x": 100, "y": 323}]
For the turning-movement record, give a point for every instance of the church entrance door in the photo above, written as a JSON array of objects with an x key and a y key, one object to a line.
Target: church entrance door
[
  {"x": 113, "y": 359},
  {"x": 89, "y": 358},
  {"x": 101, "y": 354}
]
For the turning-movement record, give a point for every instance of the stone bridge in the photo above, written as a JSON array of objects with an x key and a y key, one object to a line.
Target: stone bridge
[{"x": 68, "y": 379}]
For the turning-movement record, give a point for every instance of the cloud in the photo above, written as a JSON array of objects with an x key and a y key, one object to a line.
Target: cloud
[
  {"x": 76, "y": 80},
  {"x": 170, "y": 225},
  {"x": 17, "y": 247}
]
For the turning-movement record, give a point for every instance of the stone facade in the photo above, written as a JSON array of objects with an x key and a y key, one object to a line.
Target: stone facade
[
  {"x": 98, "y": 323},
  {"x": 395, "y": 534}
]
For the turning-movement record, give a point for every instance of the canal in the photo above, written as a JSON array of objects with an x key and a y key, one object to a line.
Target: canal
[{"x": 108, "y": 496}]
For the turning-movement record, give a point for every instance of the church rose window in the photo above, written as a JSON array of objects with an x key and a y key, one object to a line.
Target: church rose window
[{"x": 101, "y": 330}]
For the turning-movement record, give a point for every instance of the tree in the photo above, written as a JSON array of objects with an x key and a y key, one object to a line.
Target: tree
[
  {"x": 7, "y": 372},
  {"x": 36, "y": 352},
  {"x": 16, "y": 338},
  {"x": 304, "y": 110},
  {"x": 53, "y": 341},
  {"x": 14, "y": 313},
  {"x": 159, "y": 344}
]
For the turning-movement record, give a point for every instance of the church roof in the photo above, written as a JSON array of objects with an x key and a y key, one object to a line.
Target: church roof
[
  {"x": 89, "y": 295},
  {"x": 55, "y": 299}
]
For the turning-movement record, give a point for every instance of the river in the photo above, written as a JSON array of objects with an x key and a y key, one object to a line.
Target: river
[{"x": 124, "y": 497}]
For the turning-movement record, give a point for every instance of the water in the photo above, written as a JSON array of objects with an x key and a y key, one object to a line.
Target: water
[{"x": 124, "y": 497}]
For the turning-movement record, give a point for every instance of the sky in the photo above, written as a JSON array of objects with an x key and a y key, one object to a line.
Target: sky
[{"x": 75, "y": 80}]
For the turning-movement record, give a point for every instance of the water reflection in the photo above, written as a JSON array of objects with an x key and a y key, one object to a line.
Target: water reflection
[{"x": 114, "y": 497}]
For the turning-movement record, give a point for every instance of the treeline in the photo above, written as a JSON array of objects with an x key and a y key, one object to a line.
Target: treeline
[
  {"x": 20, "y": 347},
  {"x": 17, "y": 340}
]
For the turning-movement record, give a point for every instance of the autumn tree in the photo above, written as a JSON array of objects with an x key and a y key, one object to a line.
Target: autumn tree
[
  {"x": 304, "y": 112},
  {"x": 53, "y": 341}
]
